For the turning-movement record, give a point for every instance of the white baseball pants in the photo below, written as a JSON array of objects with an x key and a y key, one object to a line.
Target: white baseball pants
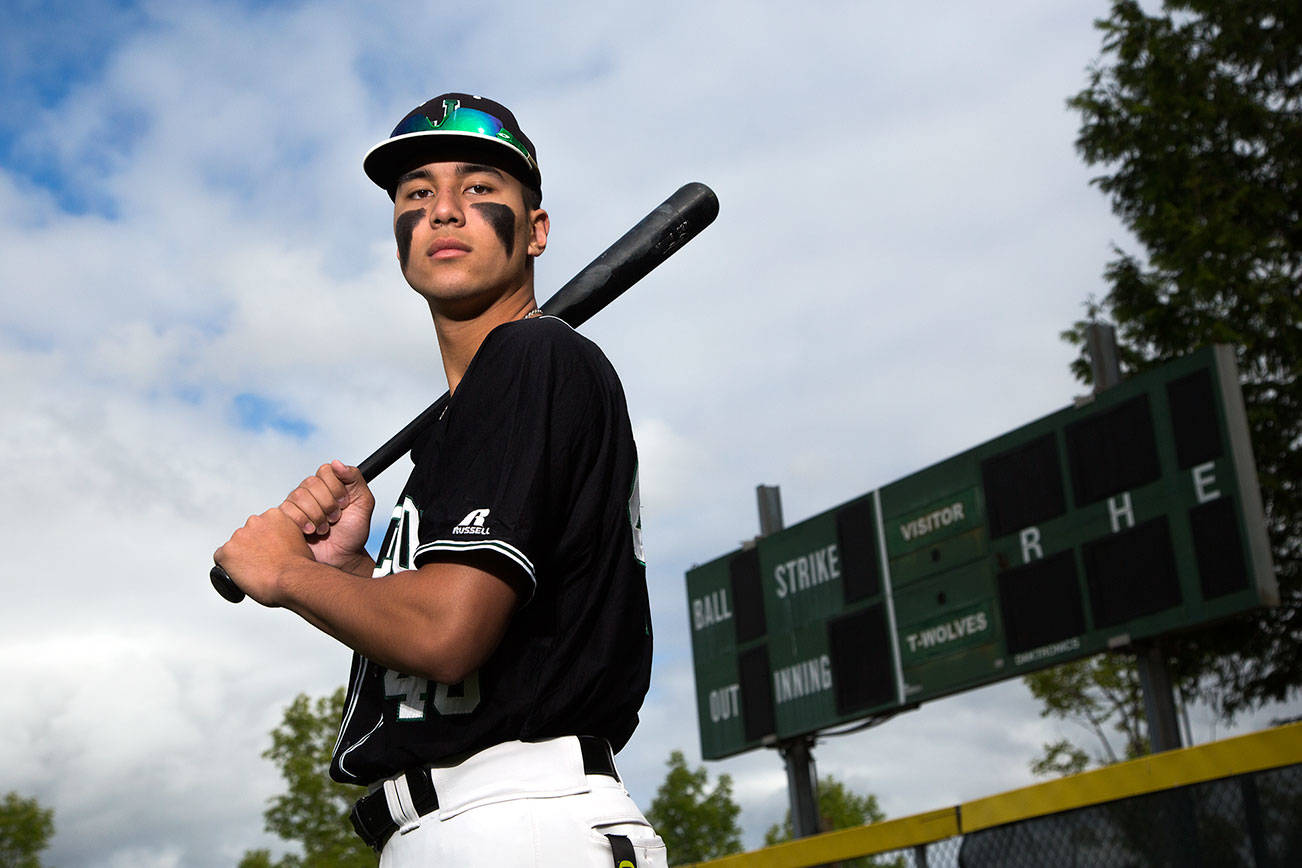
[{"x": 520, "y": 805}]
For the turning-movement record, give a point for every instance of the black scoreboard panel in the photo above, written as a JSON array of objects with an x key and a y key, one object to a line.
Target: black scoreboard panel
[
  {"x": 856, "y": 533},
  {"x": 1193, "y": 417},
  {"x": 1040, "y": 602},
  {"x": 744, "y": 581},
  {"x": 1023, "y": 485},
  {"x": 1111, "y": 451},
  {"x": 1216, "y": 543},
  {"x": 856, "y": 639},
  {"x": 754, "y": 671},
  {"x": 1131, "y": 573},
  {"x": 1129, "y": 515}
]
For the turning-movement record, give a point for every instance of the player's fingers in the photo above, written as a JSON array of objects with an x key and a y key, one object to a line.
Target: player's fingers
[
  {"x": 222, "y": 549},
  {"x": 318, "y": 515},
  {"x": 351, "y": 477},
  {"x": 300, "y": 518},
  {"x": 324, "y": 496},
  {"x": 327, "y": 474},
  {"x": 347, "y": 474}
]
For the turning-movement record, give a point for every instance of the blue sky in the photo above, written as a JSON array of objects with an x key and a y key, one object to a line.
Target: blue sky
[
  {"x": 49, "y": 50},
  {"x": 256, "y": 413},
  {"x": 202, "y": 305}
]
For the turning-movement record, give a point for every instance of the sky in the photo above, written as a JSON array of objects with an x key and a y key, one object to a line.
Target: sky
[{"x": 202, "y": 304}]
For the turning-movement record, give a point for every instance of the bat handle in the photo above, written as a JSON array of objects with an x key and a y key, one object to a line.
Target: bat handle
[{"x": 224, "y": 584}]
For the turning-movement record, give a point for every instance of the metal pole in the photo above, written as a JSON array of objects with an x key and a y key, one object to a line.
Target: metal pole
[
  {"x": 1101, "y": 344},
  {"x": 802, "y": 785},
  {"x": 1159, "y": 696},
  {"x": 1150, "y": 658},
  {"x": 769, "y": 498},
  {"x": 797, "y": 753}
]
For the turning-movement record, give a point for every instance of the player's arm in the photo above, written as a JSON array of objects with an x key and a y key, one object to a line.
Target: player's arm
[
  {"x": 309, "y": 555},
  {"x": 441, "y": 621}
]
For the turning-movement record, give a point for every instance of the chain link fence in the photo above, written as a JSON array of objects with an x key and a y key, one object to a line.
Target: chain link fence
[
  {"x": 1248, "y": 821},
  {"x": 1230, "y": 804}
]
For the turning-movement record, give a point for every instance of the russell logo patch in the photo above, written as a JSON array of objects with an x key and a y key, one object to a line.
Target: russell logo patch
[{"x": 473, "y": 523}]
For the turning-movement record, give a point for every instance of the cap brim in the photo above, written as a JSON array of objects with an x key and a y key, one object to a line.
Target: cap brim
[{"x": 387, "y": 160}]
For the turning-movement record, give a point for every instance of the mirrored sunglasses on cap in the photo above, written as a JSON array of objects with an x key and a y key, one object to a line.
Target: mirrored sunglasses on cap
[{"x": 466, "y": 121}]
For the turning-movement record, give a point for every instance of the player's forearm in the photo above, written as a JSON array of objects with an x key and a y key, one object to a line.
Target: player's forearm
[
  {"x": 398, "y": 621},
  {"x": 360, "y": 564},
  {"x": 364, "y": 614}
]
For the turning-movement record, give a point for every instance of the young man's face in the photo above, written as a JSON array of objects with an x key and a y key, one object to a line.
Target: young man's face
[{"x": 465, "y": 235}]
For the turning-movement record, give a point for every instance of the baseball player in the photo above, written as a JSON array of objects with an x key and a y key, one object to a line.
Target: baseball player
[{"x": 502, "y": 638}]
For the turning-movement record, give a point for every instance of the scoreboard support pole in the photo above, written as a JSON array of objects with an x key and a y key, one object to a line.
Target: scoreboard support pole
[
  {"x": 1159, "y": 693},
  {"x": 1150, "y": 657},
  {"x": 802, "y": 784},
  {"x": 797, "y": 753}
]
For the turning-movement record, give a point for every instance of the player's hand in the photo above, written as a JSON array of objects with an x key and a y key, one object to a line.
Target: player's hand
[
  {"x": 257, "y": 555},
  {"x": 333, "y": 511}
]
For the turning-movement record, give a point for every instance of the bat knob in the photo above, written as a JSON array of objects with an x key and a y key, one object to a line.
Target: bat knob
[{"x": 224, "y": 584}]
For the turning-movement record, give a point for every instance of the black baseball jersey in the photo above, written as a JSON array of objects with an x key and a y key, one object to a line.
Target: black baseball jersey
[{"x": 532, "y": 462}]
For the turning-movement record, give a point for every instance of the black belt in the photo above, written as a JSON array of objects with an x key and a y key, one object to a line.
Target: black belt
[{"x": 374, "y": 824}]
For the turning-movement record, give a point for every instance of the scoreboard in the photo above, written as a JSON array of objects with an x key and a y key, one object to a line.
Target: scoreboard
[{"x": 1132, "y": 514}]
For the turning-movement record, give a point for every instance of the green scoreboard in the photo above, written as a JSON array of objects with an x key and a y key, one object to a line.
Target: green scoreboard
[{"x": 1132, "y": 514}]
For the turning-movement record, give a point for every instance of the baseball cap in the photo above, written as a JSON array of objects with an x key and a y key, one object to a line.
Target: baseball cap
[{"x": 460, "y": 121}]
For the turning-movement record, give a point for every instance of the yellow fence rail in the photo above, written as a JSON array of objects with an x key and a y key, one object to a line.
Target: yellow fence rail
[{"x": 1259, "y": 751}]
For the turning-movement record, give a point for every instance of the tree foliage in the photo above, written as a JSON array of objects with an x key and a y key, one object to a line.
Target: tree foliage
[
  {"x": 695, "y": 822},
  {"x": 1103, "y": 695},
  {"x": 313, "y": 810},
  {"x": 1196, "y": 116},
  {"x": 25, "y": 830},
  {"x": 262, "y": 859},
  {"x": 838, "y": 808}
]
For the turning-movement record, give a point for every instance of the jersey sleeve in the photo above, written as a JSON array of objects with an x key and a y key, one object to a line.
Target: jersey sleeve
[{"x": 518, "y": 432}]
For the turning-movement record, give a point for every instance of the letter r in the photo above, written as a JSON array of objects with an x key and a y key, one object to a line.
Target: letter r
[
  {"x": 1031, "y": 544},
  {"x": 475, "y": 517}
]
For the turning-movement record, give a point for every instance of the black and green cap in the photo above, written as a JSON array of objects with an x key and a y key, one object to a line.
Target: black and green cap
[{"x": 454, "y": 122}]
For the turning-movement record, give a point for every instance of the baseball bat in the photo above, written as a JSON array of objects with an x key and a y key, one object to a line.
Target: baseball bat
[{"x": 655, "y": 238}]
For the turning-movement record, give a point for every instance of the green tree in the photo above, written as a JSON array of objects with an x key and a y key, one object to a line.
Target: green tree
[
  {"x": 839, "y": 808},
  {"x": 1103, "y": 695},
  {"x": 1195, "y": 115},
  {"x": 313, "y": 810},
  {"x": 25, "y": 830},
  {"x": 262, "y": 859},
  {"x": 696, "y": 823}
]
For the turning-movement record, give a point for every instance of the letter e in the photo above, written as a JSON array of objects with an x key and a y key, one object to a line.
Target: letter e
[{"x": 1203, "y": 479}]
